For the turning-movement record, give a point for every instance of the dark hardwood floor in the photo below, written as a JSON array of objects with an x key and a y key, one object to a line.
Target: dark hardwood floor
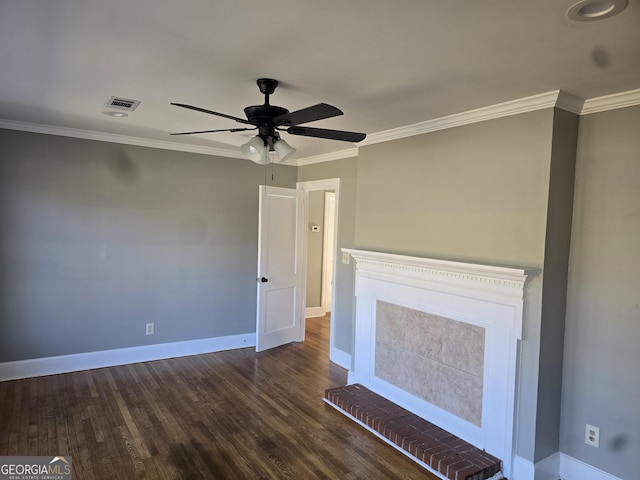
[{"x": 227, "y": 415}]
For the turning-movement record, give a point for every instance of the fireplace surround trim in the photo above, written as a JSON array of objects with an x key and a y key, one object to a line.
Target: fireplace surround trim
[{"x": 483, "y": 295}]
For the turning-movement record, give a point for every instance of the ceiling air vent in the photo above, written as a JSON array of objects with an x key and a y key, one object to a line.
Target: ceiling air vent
[{"x": 122, "y": 103}]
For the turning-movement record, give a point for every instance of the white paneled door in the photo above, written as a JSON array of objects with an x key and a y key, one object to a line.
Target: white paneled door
[{"x": 280, "y": 306}]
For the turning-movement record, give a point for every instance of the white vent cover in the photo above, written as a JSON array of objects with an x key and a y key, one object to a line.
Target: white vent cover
[{"x": 122, "y": 103}]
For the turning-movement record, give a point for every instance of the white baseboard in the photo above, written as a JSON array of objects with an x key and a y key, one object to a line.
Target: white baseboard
[
  {"x": 574, "y": 469},
  {"x": 523, "y": 469},
  {"x": 548, "y": 468},
  {"x": 557, "y": 466},
  {"x": 312, "y": 312},
  {"x": 340, "y": 357},
  {"x": 108, "y": 358}
]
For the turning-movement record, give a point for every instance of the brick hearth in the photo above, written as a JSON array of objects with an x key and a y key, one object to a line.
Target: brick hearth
[{"x": 443, "y": 452}]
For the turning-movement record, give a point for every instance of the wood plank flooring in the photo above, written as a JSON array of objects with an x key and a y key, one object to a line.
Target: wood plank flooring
[{"x": 227, "y": 415}]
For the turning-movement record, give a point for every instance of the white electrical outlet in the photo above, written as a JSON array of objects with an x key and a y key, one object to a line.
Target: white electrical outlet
[
  {"x": 592, "y": 436},
  {"x": 150, "y": 329},
  {"x": 345, "y": 258}
]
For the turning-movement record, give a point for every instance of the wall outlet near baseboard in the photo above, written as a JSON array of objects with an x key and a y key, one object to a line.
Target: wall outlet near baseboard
[
  {"x": 592, "y": 436},
  {"x": 150, "y": 329}
]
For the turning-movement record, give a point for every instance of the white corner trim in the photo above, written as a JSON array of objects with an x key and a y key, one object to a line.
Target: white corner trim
[
  {"x": 611, "y": 102},
  {"x": 570, "y": 103},
  {"x": 115, "y": 138},
  {"x": 523, "y": 469},
  {"x": 574, "y": 469},
  {"x": 548, "y": 468},
  {"x": 122, "y": 356},
  {"x": 341, "y": 358}
]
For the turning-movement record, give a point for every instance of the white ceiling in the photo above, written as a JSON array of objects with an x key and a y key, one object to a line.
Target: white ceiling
[{"x": 385, "y": 64}]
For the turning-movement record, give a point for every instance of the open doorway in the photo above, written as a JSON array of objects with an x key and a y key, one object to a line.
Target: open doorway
[
  {"x": 319, "y": 251},
  {"x": 321, "y": 220}
]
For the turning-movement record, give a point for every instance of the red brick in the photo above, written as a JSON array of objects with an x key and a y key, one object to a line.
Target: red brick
[
  {"x": 444, "y": 460},
  {"x": 431, "y": 455},
  {"x": 442, "y": 451},
  {"x": 467, "y": 473},
  {"x": 456, "y": 466},
  {"x": 409, "y": 442}
]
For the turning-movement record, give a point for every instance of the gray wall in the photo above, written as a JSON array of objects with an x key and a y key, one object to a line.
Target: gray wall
[
  {"x": 601, "y": 380},
  {"x": 98, "y": 239},
  {"x": 314, "y": 248},
  {"x": 346, "y": 170},
  {"x": 554, "y": 286},
  {"x": 475, "y": 193}
]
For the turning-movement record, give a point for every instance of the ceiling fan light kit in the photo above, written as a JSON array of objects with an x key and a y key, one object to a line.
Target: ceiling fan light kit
[
  {"x": 269, "y": 120},
  {"x": 283, "y": 150},
  {"x": 256, "y": 151}
]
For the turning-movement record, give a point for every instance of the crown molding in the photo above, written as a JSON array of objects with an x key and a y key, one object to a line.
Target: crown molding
[
  {"x": 115, "y": 138},
  {"x": 327, "y": 157},
  {"x": 611, "y": 102},
  {"x": 513, "y": 107},
  {"x": 553, "y": 99},
  {"x": 569, "y": 103}
]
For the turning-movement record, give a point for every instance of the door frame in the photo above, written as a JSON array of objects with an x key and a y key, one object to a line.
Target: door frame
[
  {"x": 328, "y": 248},
  {"x": 322, "y": 185}
]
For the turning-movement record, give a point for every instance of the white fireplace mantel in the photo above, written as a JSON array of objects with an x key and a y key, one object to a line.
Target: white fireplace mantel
[{"x": 490, "y": 297}]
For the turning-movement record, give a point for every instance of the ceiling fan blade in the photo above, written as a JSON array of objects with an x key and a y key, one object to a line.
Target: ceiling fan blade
[
  {"x": 212, "y": 131},
  {"x": 330, "y": 134},
  {"x": 198, "y": 109},
  {"x": 309, "y": 114}
]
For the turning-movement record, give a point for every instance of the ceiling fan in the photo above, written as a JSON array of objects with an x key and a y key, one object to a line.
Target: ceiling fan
[{"x": 269, "y": 120}]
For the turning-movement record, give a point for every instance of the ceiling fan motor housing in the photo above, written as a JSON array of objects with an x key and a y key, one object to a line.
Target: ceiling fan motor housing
[
  {"x": 262, "y": 116},
  {"x": 269, "y": 118}
]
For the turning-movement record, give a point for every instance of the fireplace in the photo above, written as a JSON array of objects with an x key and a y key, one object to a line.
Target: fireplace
[
  {"x": 436, "y": 359},
  {"x": 440, "y": 339}
]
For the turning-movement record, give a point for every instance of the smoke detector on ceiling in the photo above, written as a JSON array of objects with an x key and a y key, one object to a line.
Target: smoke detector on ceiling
[{"x": 122, "y": 103}]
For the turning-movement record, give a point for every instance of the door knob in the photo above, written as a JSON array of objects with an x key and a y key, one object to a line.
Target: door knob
[{"x": 264, "y": 280}]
